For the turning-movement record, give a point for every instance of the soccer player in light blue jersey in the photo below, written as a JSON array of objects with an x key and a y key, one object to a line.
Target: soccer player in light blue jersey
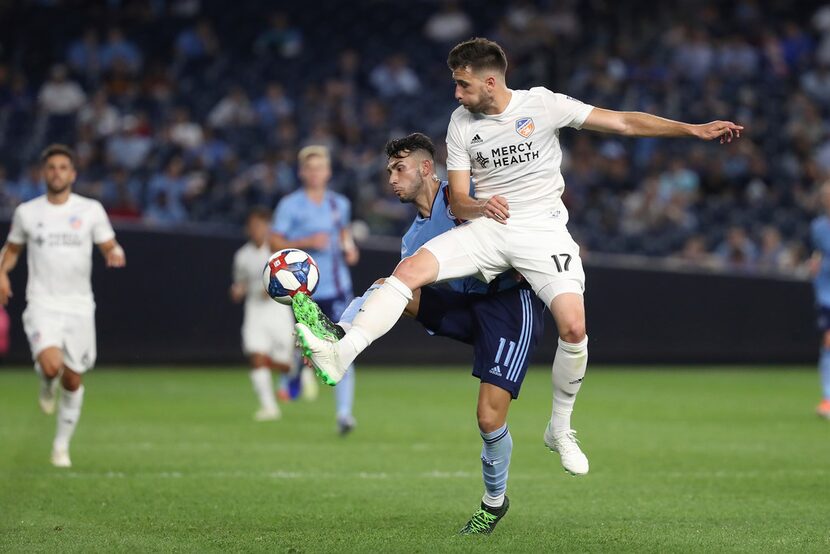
[
  {"x": 316, "y": 219},
  {"x": 820, "y": 231},
  {"x": 502, "y": 321}
]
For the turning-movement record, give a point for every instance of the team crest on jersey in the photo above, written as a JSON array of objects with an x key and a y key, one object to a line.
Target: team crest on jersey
[
  {"x": 75, "y": 222},
  {"x": 525, "y": 126}
]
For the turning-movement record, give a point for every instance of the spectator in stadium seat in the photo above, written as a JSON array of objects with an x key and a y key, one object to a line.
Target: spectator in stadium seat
[{"x": 393, "y": 77}]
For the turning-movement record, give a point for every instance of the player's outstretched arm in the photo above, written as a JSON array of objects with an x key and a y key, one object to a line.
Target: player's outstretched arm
[
  {"x": 8, "y": 259},
  {"x": 638, "y": 124},
  {"x": 113, "y": 253},
  {"x": 466, "y": 207}
]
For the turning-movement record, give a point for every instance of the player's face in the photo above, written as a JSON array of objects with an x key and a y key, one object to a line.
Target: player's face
[
  {"x": 58, "y": 173},
  {"x": 315, "y": 172},
  {"x": 405, "y": 177},
  {"x": 257, "y": 229},
  {"x": 472, "y": 90}
]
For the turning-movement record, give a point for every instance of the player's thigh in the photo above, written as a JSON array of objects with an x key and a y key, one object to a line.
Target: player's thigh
[
  {"x": 446, "y": 313},
  {"x": 80, "y": 349},
  {"x": 43, "y": 330},
  {"x": 509, "y": 327},
  {"x": 549, "y": 260},
  {"x": 476, "y": 247}
]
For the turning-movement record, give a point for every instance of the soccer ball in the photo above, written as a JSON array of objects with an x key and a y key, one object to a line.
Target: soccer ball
[{"x": 288, "y": 272}]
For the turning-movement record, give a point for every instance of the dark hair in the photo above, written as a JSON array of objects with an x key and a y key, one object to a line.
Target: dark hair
[
  {"x": 395, "y": 148},
  {"x": 57, "y": 150},
  {"x": 477, "y": 53},
  {"x": 259, "y": 212}
]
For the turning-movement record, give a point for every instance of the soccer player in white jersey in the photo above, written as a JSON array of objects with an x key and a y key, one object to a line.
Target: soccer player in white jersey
[
  {"x": 267, "y": 337},
  {"x": 508, "y": 141},
  {"x": 59, "y": 229}
]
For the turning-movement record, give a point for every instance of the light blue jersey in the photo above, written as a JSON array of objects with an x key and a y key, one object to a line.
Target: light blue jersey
[
  {"x": 297, "y": 217},
  {"x": 820, "y": 232}
]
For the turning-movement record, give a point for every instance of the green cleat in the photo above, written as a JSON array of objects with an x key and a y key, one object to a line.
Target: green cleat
[
  {"x": 485, "y": 519},
  {"x": 307, "y": 312}
]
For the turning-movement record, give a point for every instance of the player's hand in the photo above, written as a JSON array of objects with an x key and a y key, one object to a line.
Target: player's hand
[
  {"x": 725, "y": 130},
  {"x": 116, "y": 257},
  {"x": 318, "y": 241},
  {"x": 496, "y": 208},
  {"x": 238, "y": 291},
  {"x": 5, "y": 289},
  {"x": 352, "y": 255}
]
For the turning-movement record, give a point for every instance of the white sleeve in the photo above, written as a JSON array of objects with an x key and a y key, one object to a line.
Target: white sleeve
[
  {"x": 101, "y": 227},
  {"x": 238, "y": 269},
  {"x": 457, "y": 156},
  {"x": 17, "y": 233},
  {"x": 566, "y": 111}
]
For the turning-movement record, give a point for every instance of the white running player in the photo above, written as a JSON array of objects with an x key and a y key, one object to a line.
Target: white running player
[
  {"x": 508, "y": 141},
  {"x": 267, "y": 337},
  {"x": 59, "y": 228}
]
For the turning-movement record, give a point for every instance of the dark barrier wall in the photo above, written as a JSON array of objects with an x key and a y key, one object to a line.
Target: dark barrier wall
[{"x": 170, "y": 304}]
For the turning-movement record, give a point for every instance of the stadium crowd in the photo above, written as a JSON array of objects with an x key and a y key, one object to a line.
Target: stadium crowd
[{"x": 189, "y": 112}]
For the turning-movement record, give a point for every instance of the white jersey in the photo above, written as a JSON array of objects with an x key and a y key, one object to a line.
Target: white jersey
[
  {"x": 59, "y": 238},
  {"x": 516, "y": 154},
  {"x": 248, "y": 264}
]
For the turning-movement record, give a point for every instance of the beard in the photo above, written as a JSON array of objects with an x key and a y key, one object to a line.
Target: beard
[{"x": 57, "y": 188}]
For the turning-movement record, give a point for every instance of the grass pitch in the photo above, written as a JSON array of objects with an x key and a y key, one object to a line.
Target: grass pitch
[{"x": 681, "y": 460}]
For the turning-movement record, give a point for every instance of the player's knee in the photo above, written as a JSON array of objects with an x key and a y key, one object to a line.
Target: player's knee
[
  {"x": 50, "y": 365},
  {"x": 572, "y": 331},
  {"x": 70, "y": 380},
  {"x": 415, "y": 271},
  {"x": 489, "y": 420}
]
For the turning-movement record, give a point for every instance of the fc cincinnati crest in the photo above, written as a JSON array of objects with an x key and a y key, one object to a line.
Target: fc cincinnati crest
[{"x": 525, "y": 126}]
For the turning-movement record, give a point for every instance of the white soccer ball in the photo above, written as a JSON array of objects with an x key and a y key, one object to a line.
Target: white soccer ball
[{"x": 288, "y": 272}]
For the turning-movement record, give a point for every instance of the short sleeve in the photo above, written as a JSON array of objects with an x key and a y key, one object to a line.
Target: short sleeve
[
  {"x": 238, "y": 269},
  {"x": 458, "y": 159},
  {"x": 282, "y": 217},
  {"x": 564, "y": 110},
  {"x": 101, "y": 227},
  {"x": 17, "y": 233}
]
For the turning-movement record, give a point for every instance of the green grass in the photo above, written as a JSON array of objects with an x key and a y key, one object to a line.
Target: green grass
[{"x": 681, "y": 460}]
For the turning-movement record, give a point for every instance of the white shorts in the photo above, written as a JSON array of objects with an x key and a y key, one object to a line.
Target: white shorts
[
  {"x": 73, "y": 334},
  {"x": 269, "y": 332},
  {"x": 540, "y": 248}
]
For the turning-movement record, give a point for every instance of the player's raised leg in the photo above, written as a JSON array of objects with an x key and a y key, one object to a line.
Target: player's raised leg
[
  {"x": 493, "y": 404},
  {"x": 568, "y": 372},
  {"x": 379, "y": 313}
]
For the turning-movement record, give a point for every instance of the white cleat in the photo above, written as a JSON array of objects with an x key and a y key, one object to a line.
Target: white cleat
[
  {"x": 48, "y": 395},
  {"x": 268, "y": 414},
  {"x": 310, "y": 387},
  {"x": 60, "y": 458},
  {"x": 565, "y": 442},
  {"x": 322, "y": 354}
]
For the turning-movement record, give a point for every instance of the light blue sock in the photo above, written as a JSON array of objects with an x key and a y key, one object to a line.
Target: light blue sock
[
  {"x": 495, "y": 461},
  {"x": 824, "y": 370},
  {"x": 344, "y": 394},
  {"x": 351, "y": 310}
]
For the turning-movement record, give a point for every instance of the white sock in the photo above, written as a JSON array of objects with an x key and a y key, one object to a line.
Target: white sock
[
  {"x": 493, "y": 501},
  {"x": 568, "y": 371},
  {"x": 264, "y": 388},
  {"x": 379, "y": 314},
  {"x": 69, "y": 412}
]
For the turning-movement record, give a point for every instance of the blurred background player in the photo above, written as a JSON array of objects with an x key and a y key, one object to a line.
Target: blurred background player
[
  {"x": 820, "y": 231},
  {"x": 317, "y": 220},
  {"x": 60, "y": 228},
  {"x": 503, "y": 321},
  {"x": 267, "y": 336}
]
